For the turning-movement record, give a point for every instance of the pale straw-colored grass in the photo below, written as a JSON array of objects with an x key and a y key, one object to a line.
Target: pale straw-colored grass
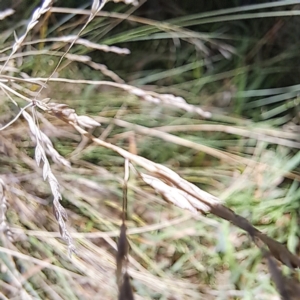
[{"x": 36, "y": 264}]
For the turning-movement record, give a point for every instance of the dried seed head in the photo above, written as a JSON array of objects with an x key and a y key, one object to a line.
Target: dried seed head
[
  {"x": 43, "y": 146},
  {"x": 67, "y": 114}
]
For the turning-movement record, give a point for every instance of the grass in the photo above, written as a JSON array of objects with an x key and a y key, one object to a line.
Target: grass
[{"x": 246, "y": 153}]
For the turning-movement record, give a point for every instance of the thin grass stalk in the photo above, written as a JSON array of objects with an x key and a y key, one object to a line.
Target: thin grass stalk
[{"x": 123, "y": 280}]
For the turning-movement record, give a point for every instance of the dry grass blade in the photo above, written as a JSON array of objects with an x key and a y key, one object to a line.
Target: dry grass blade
[
  {"x": 169, "y": 99},
  {"x": 149, "y": 96},
  {"x": 100, "y": 234},
  {"x": 83, "y": 42}
]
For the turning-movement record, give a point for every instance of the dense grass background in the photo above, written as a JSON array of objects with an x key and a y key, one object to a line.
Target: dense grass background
[{"x": 238, "y": 60}]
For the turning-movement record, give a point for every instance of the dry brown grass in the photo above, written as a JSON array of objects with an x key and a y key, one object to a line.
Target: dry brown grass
[{"x": 170, "y": 253}]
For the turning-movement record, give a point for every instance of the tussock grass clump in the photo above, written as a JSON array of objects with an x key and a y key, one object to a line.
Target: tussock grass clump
[{"x": 211, "y": 209}]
